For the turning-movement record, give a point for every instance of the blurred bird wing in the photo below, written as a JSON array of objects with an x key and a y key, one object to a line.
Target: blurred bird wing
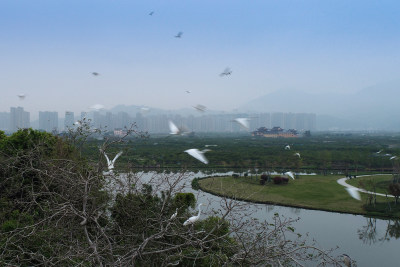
[
  {"x": 197, "y": 155},
  {"x": 353, "y": 193},
  {"x": 290, "y": 174},
  {"x": 115, "y": 158},
  {"x": 244, "y": 122},
  {"x": 97, "y": 107},
  {"x": 200, "y": 107},
  {"x": 173, "y": 128},
  {"x": 108, "y": 160}
]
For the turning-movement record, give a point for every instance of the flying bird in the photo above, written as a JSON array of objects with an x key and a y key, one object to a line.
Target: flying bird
[
  {"x": 179, "y": 35},
  {"x": 97, "y": 107},
  {"x": 353, "y": 192},
  {"x": 297, "y": 154},
  {"x": 174, "y": 215},
  {"x": 226, "y": 72},
  {"x": 197, "y": 154},
  {"x": 110, "y": 163},
  {"x": 379, "y": 151},
  {"x": 193, "y": 219},
  {"x": 243, "y": 122},
  {"x": 95, "y": 73},
  {"x": 21, "y": 96},
  {"x": 174, "y": 130},
  {"x": 144, "y": 110},
  {"x": 151, "y": 13},
  {"x": 394, "y": 157},
  {"x": 200, "y": 108},
  {"x": 287, "y": 147},
  {"x": 210, "y": 145},
  {"x": 187, "y": 91},
  {"x": 290, "y": 174}
]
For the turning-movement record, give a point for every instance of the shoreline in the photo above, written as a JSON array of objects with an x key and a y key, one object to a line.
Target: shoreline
[{"x": 383, "y": 216}]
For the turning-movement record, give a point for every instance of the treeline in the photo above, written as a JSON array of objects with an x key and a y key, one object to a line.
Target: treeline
[{"x": 322, "y": 153}]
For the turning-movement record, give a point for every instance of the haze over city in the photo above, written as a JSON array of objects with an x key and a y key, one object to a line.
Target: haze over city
[{"x": 50, "y": 50}]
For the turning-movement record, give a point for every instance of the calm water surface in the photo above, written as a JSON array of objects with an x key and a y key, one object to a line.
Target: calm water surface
[{"x": 371, "y": 242}]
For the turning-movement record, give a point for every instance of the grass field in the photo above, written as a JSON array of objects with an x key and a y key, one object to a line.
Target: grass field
[
  {"x": 313, "y": 192},
  {"x": 381, "y": 182}
]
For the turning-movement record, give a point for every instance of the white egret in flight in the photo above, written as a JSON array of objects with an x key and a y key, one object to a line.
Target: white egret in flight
[
  {"x": 197, "y": 154},
  {"x": 200, "y": 108},
  {"x": 290, "y": 174},
  {"x": 193, "y": 219},
  {"x": 394, "y": 157},
  {"x": 379, "y": 151},
  {"x": 110, "y": 163},
  {"x": 353, "y": 192},
  {"x": 144, "y": 110},
  {"x": 297, "y": 154},
  {"x": 287, "y": 147},
  {"x": 174, "y": 129},
  {"x": 243, "y": 122},
  {"x": 21, "y": 96},
  {"x": 97, "y": 107},
  {"x": 226, "y": 72}
]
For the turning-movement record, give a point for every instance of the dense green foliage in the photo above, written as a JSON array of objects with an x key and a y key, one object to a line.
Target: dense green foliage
[
  {"x": 324, "y": 152},
  {"x": 56, "y": 210}
]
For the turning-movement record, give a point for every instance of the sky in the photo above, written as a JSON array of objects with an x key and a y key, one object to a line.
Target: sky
[{"x": 49, "y": 49}]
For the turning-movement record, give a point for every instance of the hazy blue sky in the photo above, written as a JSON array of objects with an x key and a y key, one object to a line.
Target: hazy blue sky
[{"x": 49, "y": 48}]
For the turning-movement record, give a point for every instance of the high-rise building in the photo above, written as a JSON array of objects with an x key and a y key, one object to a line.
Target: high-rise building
[
  {"x": 69, "y": 120},
  {"x": 48, "y": 121},
  {"x": 306, "y": 121},
  {"x": 19, "y": 119},
  {"x": 289, "y": 121},
  {"x": 4, "y": 121},
  {"x": 277, "y": 119}
]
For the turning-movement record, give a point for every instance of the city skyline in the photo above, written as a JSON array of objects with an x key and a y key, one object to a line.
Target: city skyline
[
  {"x": 158, "y": 123},
  {"x": 51, "y": 50}
]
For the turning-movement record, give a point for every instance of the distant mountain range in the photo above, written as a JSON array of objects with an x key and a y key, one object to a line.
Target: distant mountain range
[{"x": 373, "y": 108}]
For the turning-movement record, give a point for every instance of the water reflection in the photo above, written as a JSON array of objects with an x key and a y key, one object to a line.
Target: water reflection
[
  {"x": 367, "y": 233},
  {"x": 393, "y": 229},
  {"x": 369, "y": 241}
]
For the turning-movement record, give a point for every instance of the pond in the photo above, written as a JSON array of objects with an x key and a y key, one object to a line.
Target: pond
[{"x": 369, "y": 241}]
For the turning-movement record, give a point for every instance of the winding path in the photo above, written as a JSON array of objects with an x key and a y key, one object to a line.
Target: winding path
[{"x": 342, "y": 181}]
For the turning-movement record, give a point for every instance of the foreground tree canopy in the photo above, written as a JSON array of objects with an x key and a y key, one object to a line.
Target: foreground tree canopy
[{"x": 57, "y": 208}]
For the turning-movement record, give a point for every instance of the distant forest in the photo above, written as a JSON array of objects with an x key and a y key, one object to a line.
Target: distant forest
[{"x": 321, "y": 153}]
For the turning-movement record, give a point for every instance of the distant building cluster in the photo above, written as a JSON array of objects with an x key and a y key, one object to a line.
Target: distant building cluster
[
  {"x": 116, "y": 123},
  {"x": 275, "y": 132}
]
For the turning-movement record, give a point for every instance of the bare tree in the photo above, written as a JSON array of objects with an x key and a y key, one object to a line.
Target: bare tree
[{"x": 57, "y": 208}]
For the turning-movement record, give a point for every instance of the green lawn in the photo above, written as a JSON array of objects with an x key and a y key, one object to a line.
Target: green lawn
[
  {"x": 380, "y": 181},
  {"x": 314, "y": 192}
]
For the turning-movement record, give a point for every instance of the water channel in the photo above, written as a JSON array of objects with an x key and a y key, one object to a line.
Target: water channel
[{"x": 369, "y": 241}]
